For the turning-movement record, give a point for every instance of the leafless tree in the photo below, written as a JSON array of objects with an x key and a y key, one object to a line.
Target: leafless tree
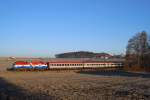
[{"x": 137, "y": 48}]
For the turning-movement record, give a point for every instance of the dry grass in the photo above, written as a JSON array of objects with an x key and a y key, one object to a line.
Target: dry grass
[{"x": 71, "y": 85}]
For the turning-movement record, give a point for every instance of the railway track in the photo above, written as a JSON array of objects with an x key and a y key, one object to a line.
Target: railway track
[{"x": 66, "y": 69}]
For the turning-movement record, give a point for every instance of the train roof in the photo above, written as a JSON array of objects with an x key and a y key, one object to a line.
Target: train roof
[
  {"x": 70, "y": 61},
  {"x": 26, "y": 63},
  {"x": 84, "y": 61},
  {"x": 21, "y": 63},
  {"x": 65, "y": 61}
]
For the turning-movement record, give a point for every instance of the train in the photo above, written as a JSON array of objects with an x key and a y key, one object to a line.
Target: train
[{"x": 60, "y": 65}]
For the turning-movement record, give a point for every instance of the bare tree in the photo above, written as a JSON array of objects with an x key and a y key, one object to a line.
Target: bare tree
[
  {"x": 138, "y": 44},
  {"x": 137, "y": 47}
]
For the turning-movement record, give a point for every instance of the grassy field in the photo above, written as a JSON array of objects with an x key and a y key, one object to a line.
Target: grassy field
[{"x": 72, "y": 85}]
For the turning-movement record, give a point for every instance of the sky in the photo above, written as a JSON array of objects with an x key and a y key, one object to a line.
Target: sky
[{"x": 43, "y": 28}]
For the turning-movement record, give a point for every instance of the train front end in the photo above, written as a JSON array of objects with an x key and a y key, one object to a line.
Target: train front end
[{"x": 34, "y": 65}]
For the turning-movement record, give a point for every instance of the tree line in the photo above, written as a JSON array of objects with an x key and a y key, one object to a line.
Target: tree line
[{"x": 80, "y": 54}]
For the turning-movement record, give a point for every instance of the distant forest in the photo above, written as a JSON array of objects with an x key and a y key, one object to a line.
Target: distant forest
[{"x": 80, "y": 54}]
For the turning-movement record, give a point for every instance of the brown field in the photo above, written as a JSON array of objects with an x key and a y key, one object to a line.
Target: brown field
[{"x": 72, "y": 85}]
